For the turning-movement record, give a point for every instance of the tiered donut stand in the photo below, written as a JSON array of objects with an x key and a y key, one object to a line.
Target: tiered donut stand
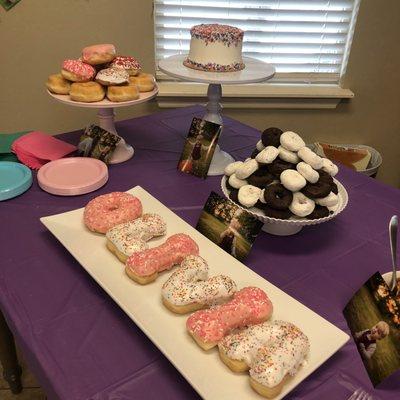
[
  {"x": 255, "y": 71},
  {"x": 106, "y": 116}
]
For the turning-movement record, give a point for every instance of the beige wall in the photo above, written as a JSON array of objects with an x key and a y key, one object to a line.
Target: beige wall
[{"x": 37, "y": 35}]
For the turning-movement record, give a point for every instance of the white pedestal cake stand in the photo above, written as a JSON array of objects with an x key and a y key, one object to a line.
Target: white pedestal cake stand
[
  {"x": 106, "y": 115},
  {"x": 255, "y": 71}
]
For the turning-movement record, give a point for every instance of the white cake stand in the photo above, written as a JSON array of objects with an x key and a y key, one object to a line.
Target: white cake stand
[
  {"x": 106, "y": 115},
  {"x": 255, "y": 71}
]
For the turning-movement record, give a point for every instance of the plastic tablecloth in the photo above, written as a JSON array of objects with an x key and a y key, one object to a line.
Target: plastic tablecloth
[{"x": 82, "y": 346}]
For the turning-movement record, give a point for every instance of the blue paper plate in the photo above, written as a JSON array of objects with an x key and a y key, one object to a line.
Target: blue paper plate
[{"x": 15, "y": 179}]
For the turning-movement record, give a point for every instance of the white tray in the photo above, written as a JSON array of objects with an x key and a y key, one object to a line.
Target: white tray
[{"x": 203, "y": 370}]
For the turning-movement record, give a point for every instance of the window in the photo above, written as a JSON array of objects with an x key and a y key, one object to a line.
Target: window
[{"x": 308, "y": 41}]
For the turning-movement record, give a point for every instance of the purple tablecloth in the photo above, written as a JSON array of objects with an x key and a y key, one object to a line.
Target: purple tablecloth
[{"x": 82, "y": 346}]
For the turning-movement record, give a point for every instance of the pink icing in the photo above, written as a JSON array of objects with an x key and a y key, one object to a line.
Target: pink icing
[
  {"x": 249, "y": 306},
  {"x": 89, "y": 51},
  {"x": 125, "y": 62},
  {"x": 106, "y": 211},
  {"x": 79, "y": 68},
  {"x": 163, "y": 257}
]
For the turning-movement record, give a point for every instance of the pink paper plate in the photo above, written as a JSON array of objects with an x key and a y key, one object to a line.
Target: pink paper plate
[{"x": 72, "y": 176}]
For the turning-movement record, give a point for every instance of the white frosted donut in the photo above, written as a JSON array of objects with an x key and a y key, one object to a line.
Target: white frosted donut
[
  {"x": 262, "y": 198},
  {"x": 329, "y": 167},
  {"x": 267, "y": 155},
  {"x": 308, "y": 172},
  {"x": 287, "y": 155},
  {"x": 248, "y": 195},
  {"x": 301, "y": 205},
  {"x": 291, "y": 141},
  {"x": 308, "y": 156},
  {"x": 292, "y": 180},
  {"x": 329, "y": 201},
  {"x": 232, "y": 167},
  {"x": 245, "y": 170},
  {"x": 235, "y": 182},
  {"x": 260, "y": 146}
]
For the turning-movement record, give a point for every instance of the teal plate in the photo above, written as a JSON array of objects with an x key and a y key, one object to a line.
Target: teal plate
[{"x": 15, "y": 179}]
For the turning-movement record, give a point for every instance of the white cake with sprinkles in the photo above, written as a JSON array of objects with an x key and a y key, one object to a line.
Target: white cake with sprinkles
[{"x": 215, "y": 48}]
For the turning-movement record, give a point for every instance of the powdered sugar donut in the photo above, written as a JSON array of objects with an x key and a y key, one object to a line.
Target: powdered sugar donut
[
  {"x": 248, "y": 195},
  {"x": 308, "y": 156},
  {"x": 301, "y": 205},
  {"x": 268, "y": 155},
  {"x": 329, "y": 167},
  {"x": 77, "y": 71},
  {"x": 287, "y": 155},
  {"x": 245, "y": 170},
  {"x": 292, "y": 180},
  {"x": 291, "y": 141},
  {"x": 235, "y": 182},
  {"x": 231, "y": 168},
  {"x": 308, "y": 172},
  {"x": 260, "y": 146},
  {"x": 108, "y": 210},
  {"x": 329, "y": 201}
]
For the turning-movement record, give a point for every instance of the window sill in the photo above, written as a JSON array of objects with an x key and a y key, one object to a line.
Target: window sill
[{"x": 174, "y": 94}]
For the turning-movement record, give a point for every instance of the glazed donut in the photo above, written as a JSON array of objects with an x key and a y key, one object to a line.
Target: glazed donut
[
  {"x": 98, "y": 54},
  {"x": 129, "y": 64},
  {"x": 231, "y": 168},
  {"x": 108, "y": 210},
  {"x": 248, "y": 195},
  {"x": 260, "y": 146},
  {"x": 329, "y": 167},
  {"x": 277, "y": 196},
  {"x": 277, "y": 214},
  {"x": 125, "y": 239},
  {"x": 329, "y": 201},
  {"x": 112, "y": 76},
  {"x": 278, "y": 166},
  {"x": 271, "y": 137},
  {"x": 268, "y": 155},
  {"x": 317, "y": 190},
  {"x": 122, "y": 93},
  {"x": 292, "y": 180},
  {"x": 189, "y": 288},
  {"x": 145, "y": 82},
  {"x": 235, "y": 182},
  {"x": 77, "y": 71},
  {"x": 57, "y": 84},
  {"x": 287, "y": 155},
  {"x": 308, "y": 156},
  {"x": 86, "y": 92},
  {"x": 246, "y": 169},
  {"x": 291, "y": 141},
  {"x": 260, "y": 178},
  {"x": 309, "y": 173},
  {"x": 301, "y": 205},
  {"x": 239, "y": 349},
  {"x": 319, "y": 212},
  {"x": 143, "y": 267},
  {"x": 249, "y": 306}
]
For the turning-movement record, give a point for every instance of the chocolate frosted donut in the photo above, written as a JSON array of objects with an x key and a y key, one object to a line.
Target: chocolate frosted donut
[
  {"x": 233, "y": 195},
  {"x": 334, "y": 188},
  {"x": 278, "y": 197},
  {"x": 317, "y": 190},
  {"x": 324, "y": 176},
  {"x": 279, "y": 214},
  {"x": 260, "y": 178},
  {"x": 278, "y": 166},
  {"x": 319, "y": 212},
  {"x": 271, "y": 137}
]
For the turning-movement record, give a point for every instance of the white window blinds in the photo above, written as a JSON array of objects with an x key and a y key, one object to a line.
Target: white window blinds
[{"x": 306, "y": 40}]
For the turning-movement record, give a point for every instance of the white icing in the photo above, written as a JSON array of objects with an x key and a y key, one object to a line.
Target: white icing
[
  {"x": 291, "y": 141},
  {"x": 308, "y": 172},
  {"x": 329, "y": 167},
  {"x": 232, "y": 167},
  {"x": 329, "y": 201},
  {"x": 267, "y": 155},
  {"x": 292, "y": 180},
  {"x": 301, "y": 205},
  {"x": 245, "y": 170},
  {"x": 235, "y": 182},
  {"x": 190, "y": 284},
  {"x": 287, "y": 155},
  {"x": 260, "y": 146},
  {"x": 248, "y": 195},
  {"x": 308, "y": 156}
]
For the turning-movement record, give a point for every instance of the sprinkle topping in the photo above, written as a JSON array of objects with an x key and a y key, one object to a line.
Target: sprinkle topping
[
  {"x": 226, "y": 34},
  {"x": 125, "y": 62}
]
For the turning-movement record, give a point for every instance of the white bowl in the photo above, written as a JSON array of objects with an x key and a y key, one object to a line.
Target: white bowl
[{"x": 293, "y": 225}]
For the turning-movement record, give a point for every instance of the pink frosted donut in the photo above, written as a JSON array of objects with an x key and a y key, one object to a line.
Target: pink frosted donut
[
  {"x": 98, "y": 54},
  {"x": 129, "y": 64},
  {"x": 108, "y": 210},
  {"x": 77, "y": 71}
]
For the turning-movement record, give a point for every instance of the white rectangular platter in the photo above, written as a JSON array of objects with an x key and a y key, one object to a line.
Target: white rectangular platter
[{"x": 203, "y": 370}]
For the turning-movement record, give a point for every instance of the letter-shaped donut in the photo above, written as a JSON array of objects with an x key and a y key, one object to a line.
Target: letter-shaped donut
[
  {"x": 249, "y": 306},
  {"x": 189, "y": 288},
  {"x": 144, "y": 266}
]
